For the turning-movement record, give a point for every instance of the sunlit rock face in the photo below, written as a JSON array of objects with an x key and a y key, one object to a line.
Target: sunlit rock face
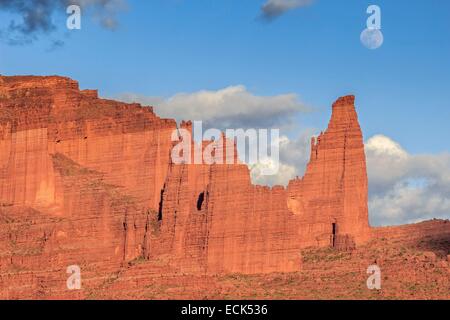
[
  {"x": 240, "y": 227},
  {"x": 90, "y": 182}
]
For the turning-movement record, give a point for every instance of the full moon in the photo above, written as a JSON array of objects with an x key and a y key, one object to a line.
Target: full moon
[{"x": 372, "y": 38}]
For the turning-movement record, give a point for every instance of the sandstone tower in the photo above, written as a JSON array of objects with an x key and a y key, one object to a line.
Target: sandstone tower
[{"x": 331, "y": 198}]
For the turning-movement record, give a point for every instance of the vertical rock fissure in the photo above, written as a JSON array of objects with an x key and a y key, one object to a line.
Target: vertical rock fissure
[
  {"x": 161, "y": 202},
  {"x": 200, "y": 200},
  {"x": 145, "y": 248},
  {"x": 344, "y": 157},
  {"x": 125, "y": 235},
  {"x": 209, "y": 211}
]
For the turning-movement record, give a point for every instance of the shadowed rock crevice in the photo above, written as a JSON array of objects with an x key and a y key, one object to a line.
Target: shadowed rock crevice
[{"x": 201, "y": 198}]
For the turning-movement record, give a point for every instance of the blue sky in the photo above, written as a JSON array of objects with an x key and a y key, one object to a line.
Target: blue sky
[{"x": 164, "y": 47}]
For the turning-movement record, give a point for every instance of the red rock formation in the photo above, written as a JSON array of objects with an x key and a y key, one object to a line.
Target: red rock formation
[
  {"x": 332, "y": 195},
  {"x": 89, "y": 181},
  {"x": 43, "y": 116},
  {"x": 251, "y": 229},
  {"x": 79, "y": 177}
]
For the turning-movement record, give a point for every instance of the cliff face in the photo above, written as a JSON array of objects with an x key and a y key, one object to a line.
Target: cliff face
[
  {"x": 90, "y": 181},
  {"x": 43, "y": 116},
  {"x": 79, "y": 177},
  {"x": 240, "y": 227},
  {"x": 331, "y": 198}
]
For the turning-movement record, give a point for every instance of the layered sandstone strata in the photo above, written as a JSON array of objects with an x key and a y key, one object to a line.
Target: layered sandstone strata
[
  {"x": 90, "y": 181},
  {"x": 79, "y": 178},
  {"x": 43, "y": 116},
  {"x": 240, "y": 227},
  {"x": 331, "y": 198}
]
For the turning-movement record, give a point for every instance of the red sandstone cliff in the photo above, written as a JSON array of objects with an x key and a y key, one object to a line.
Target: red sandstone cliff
[
  {"x": 79, "y": 177},
  {"x": 332, "y": 195},
  {"x": 102, "y": 170},
  {"x": 89, "y": 181},
  {"x": 252, "y": 229}
]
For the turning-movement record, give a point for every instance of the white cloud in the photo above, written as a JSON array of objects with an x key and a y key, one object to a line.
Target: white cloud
[
  {"x": 232, "y": 107},
  {"x": 235, "y": 107},
  {"x": 405, "y": 188},
  {"x": 294, "y": 155},
  {"x": 381, "y": 145}
]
